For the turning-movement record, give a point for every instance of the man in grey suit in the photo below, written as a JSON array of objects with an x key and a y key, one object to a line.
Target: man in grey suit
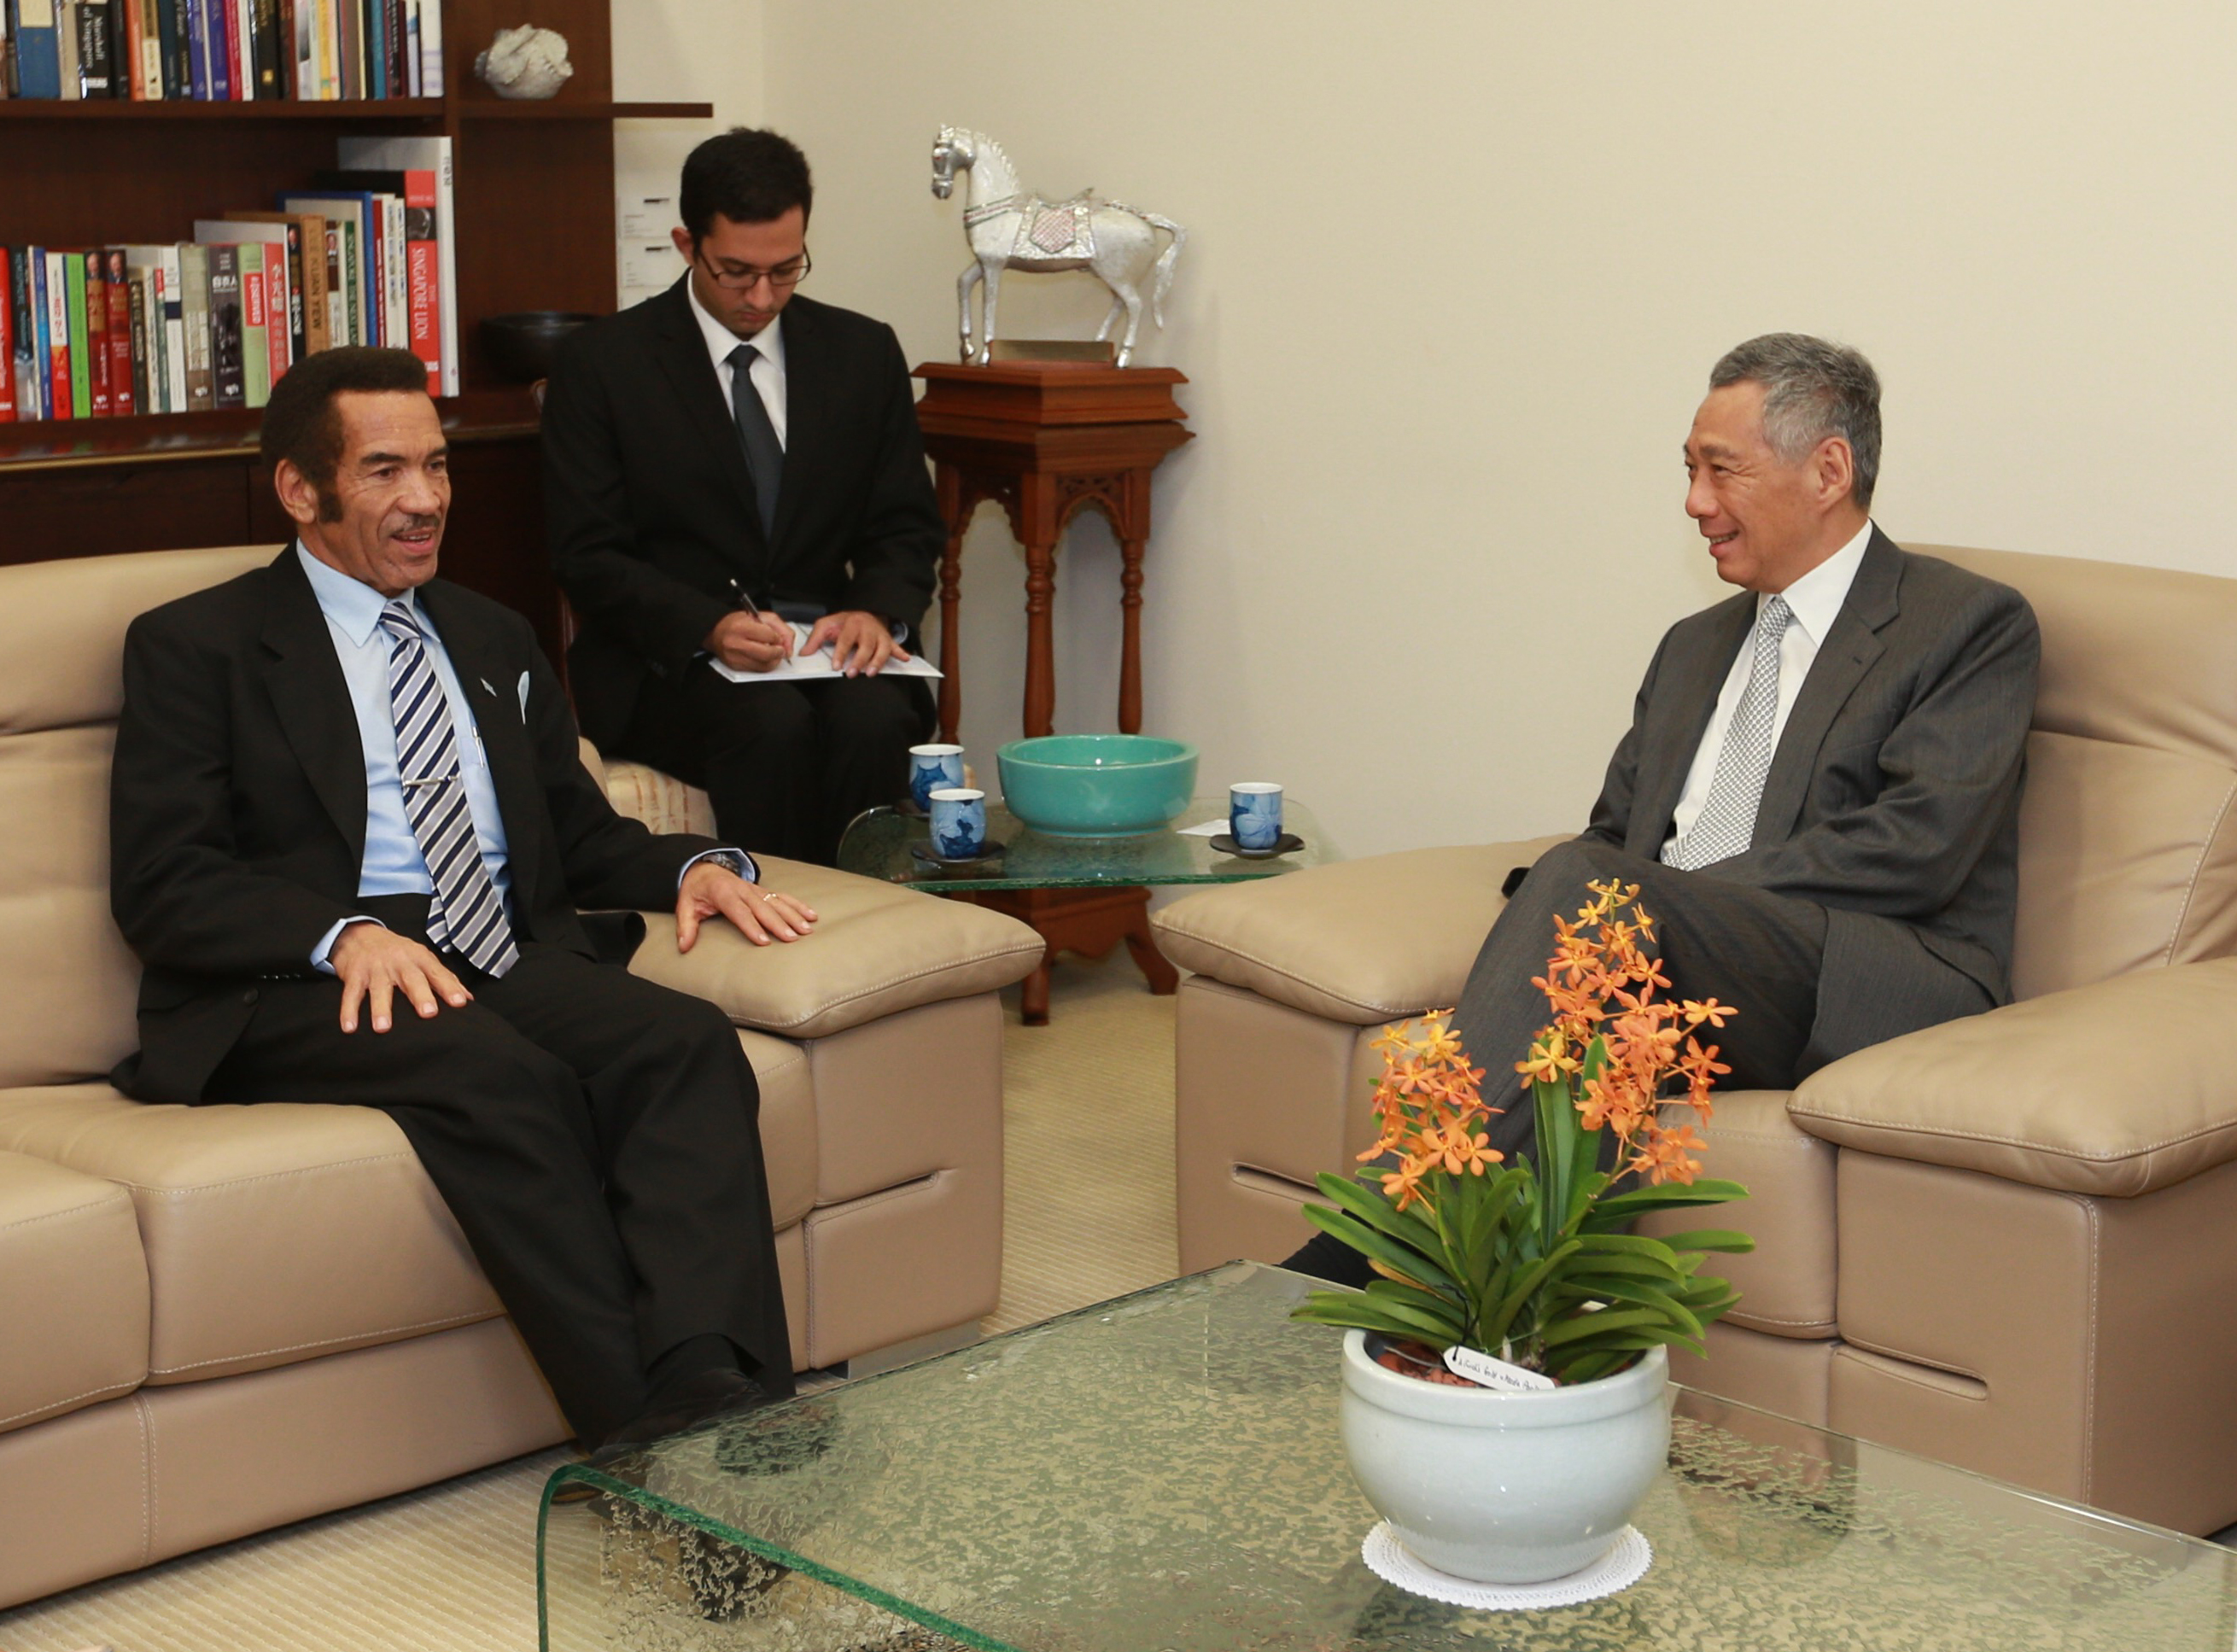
[{"x": 1819, "y": 796}]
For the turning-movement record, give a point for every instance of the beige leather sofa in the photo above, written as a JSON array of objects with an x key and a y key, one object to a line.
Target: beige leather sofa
[
  {"x": 2010, "y": 1242},
  {"x": 215, "y": 1319}
]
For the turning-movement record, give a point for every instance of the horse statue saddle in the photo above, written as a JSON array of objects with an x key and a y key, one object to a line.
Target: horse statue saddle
[{"x": 1060, "y": 228}]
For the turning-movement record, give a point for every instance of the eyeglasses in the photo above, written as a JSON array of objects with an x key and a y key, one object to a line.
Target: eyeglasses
[{"x": 782, "y": 279}]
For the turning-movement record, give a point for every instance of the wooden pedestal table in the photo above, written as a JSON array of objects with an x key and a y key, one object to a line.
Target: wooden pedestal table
[{"x": 1045, "y": 440}]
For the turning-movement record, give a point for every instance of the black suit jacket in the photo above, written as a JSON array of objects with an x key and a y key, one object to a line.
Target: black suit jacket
[
  {"x": 237, "y": 804},
  {"x": 1893, "y": 798},
  {"x": 650, "y": 506}
]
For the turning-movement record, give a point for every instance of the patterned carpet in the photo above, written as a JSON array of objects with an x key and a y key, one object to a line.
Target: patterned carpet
[{"x": 1089, "y": 1127}]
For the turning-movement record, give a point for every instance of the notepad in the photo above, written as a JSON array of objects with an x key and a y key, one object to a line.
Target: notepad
[{"x": 803, "y": 667}]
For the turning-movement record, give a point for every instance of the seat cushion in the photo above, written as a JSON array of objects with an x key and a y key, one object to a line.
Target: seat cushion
[
  {"x": 273, "y": 1233},
  {"x": 1358, "y": 941},
  {"x": 1787, "y": 1282},
  {"x": 877, "y": 949},
  {"x": 73, "y": 1291}
]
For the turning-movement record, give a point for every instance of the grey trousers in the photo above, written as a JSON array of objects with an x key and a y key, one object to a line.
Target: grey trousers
[{"x": 1759, "y": 952}]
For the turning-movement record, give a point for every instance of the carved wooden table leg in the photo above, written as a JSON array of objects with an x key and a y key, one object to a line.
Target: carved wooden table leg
[
  {"x": 1039, "y": 528},
  {"x": 956, "y": 505}
]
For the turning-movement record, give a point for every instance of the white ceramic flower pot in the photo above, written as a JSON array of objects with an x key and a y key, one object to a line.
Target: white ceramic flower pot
[{"x": 1503, "y": 1488}]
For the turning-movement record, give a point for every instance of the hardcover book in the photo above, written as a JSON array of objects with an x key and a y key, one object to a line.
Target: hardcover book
[
  {"x": 76, "y": 362},
  {"x": 195, "y": 302},
  {"x": 7, "y": 341},
  {"x": 136, "y": 340},
  {"x": 227, "y": 386},
  {"x": 123, "y": 396}
]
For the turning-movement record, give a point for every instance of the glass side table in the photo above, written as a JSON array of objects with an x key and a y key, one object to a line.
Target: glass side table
[
  {"x": 1162, "y": 1473},
  {"x": 1082, "y": 894}
]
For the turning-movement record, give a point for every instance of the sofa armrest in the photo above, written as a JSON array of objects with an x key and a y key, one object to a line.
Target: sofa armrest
[
  {"x": 1356, "y": 941},
  {"x": 2115, "y": 1089},
  {"x": 876, "y": 949}
]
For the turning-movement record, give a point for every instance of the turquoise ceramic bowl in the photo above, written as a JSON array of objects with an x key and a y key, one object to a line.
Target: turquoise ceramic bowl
[{"x": 1097, "y": 786}]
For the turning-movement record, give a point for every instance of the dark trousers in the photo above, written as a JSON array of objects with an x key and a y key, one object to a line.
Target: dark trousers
[
  {"x": 596, "y": 1137},
  {"x": 1759, "y": 952},
  {"x": 786, "y": 764}
]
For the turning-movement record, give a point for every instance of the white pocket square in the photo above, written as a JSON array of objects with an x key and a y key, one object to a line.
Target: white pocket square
[{"x": 524, "y": 696}]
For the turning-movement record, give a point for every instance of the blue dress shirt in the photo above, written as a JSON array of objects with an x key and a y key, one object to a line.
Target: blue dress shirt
[{"x": 394, "y": 863}]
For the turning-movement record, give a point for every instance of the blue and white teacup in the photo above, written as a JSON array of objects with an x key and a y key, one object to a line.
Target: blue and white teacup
[
  {"x": 931, "y": 767},
  {"x": 1254, "y": 814},
  {"x": 958, "y": 822}
]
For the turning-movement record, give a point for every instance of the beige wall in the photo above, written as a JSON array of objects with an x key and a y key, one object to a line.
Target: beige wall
[{"x": 1456, "y": 275}]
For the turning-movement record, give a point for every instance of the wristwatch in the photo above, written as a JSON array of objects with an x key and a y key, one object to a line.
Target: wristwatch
[{"x": 730, "y": 861}]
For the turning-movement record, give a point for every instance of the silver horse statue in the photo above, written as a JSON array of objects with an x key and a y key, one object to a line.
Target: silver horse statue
[{"x": 1009, "y": 229}]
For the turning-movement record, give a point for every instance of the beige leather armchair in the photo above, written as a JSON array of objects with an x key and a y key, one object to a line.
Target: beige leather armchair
[
  {"x": 215, "y": 1320},
  {"x": 2010, "y": 1242}
]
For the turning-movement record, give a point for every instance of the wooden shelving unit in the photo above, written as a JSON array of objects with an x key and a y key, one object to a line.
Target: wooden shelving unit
[{"x": 535, "y": 204}]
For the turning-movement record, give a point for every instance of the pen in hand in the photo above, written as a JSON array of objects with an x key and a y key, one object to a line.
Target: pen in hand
[{"x": 742, "y": 600}]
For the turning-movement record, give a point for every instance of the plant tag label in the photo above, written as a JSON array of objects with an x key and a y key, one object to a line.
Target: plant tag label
[{"x": 1494, "y": 1374}]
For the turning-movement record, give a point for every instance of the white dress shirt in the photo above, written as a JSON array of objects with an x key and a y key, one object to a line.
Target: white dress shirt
[
  {"x": 769, "y": 365},
  {"x": 1815, "y": 600}
]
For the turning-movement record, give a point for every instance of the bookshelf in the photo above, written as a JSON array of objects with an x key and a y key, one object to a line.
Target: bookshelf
[{"x": 535, "y": 219}]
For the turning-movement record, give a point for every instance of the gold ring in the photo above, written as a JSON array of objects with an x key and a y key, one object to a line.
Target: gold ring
[{"x": 770, "y": 897}]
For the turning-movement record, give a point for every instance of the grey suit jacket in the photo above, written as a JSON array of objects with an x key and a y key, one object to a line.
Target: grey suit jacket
[{"x": 1893, "y": 798}]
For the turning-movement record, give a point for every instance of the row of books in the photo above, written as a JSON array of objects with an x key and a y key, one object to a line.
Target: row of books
[
  {"x": 222, "y": 50},
  {"x": 366, "y": 256}
]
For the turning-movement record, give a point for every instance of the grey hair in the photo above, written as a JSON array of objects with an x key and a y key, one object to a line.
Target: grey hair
[{"x": 1812, "y": 389}]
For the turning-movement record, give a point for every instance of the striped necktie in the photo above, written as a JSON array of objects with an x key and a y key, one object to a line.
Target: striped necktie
[
  {"x": 1726, "y": 824},
  {"x": 465, "y": 915}
]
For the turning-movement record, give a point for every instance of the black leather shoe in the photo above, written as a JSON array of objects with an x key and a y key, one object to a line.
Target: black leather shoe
[{"x": 684, "y": 1406}]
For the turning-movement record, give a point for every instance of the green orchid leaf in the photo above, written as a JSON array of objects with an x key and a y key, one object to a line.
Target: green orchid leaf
[
  {"x": 1709, "y": 1239},
  {"x": 1357, "y": 1313},
  {"x": 1380, "y": 1247},
  {"x": 1395, "y": 1296},
  {"x": 1373, "y": 1209},
  {"x": 1606, "y": 1322}
]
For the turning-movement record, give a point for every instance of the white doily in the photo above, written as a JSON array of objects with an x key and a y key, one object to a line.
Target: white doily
[{"x": 1624, "y": 1565}]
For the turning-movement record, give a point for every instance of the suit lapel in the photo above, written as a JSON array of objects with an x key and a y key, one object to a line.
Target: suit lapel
[
  {"x": 807, "y": 405},
  {"x": 1685, "y": 697},
  {"x": 1850, "y": 648},
  {"x": 312, "y": 700},
  {"x": 683, "y": 358},
  {"x": 491, "y": 683}
]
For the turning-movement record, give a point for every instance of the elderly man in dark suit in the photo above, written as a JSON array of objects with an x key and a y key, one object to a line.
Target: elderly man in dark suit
[
  {"x": 351, "y": 830},
  {"x": 1819, "y": 796},
  {"x": 720, "y": 460}
]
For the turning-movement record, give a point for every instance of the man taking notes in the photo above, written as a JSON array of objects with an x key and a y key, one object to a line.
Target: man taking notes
[
  {"x": 719, "y": 460},
  {"x": 351, "y": 829},
  {"x": 1819, "y": 796}
]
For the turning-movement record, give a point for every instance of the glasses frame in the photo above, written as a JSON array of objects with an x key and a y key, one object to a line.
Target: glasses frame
[{"x": 732, "y": 281}]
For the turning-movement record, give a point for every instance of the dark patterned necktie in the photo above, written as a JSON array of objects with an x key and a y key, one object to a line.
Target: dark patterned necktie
[
  {"x": 1726, "y": 824},
  {"x": 757, "y": 435},
  {"x": 465, "y": 914}
]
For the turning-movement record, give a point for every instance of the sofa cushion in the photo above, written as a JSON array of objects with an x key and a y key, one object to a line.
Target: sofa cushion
[
  {"x": 1357, "y": 941},
  {"x": 68, "y": 981},
  {"x": 2114, "y": 1089},
  {"x": 62, "y": 626},
  {"x": 273, "y": 1233},
  {"x": 73, "y": 1291},
  {"x": 1786, "y": 1283},
  {"x": 876, "y": 949},
  {"x": 2128, "y": 838}
]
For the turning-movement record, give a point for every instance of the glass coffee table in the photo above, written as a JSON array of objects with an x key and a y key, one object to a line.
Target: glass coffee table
[
  {"x": 1162, "y": 1473},
  {"x": 1082, "y": 894}
]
